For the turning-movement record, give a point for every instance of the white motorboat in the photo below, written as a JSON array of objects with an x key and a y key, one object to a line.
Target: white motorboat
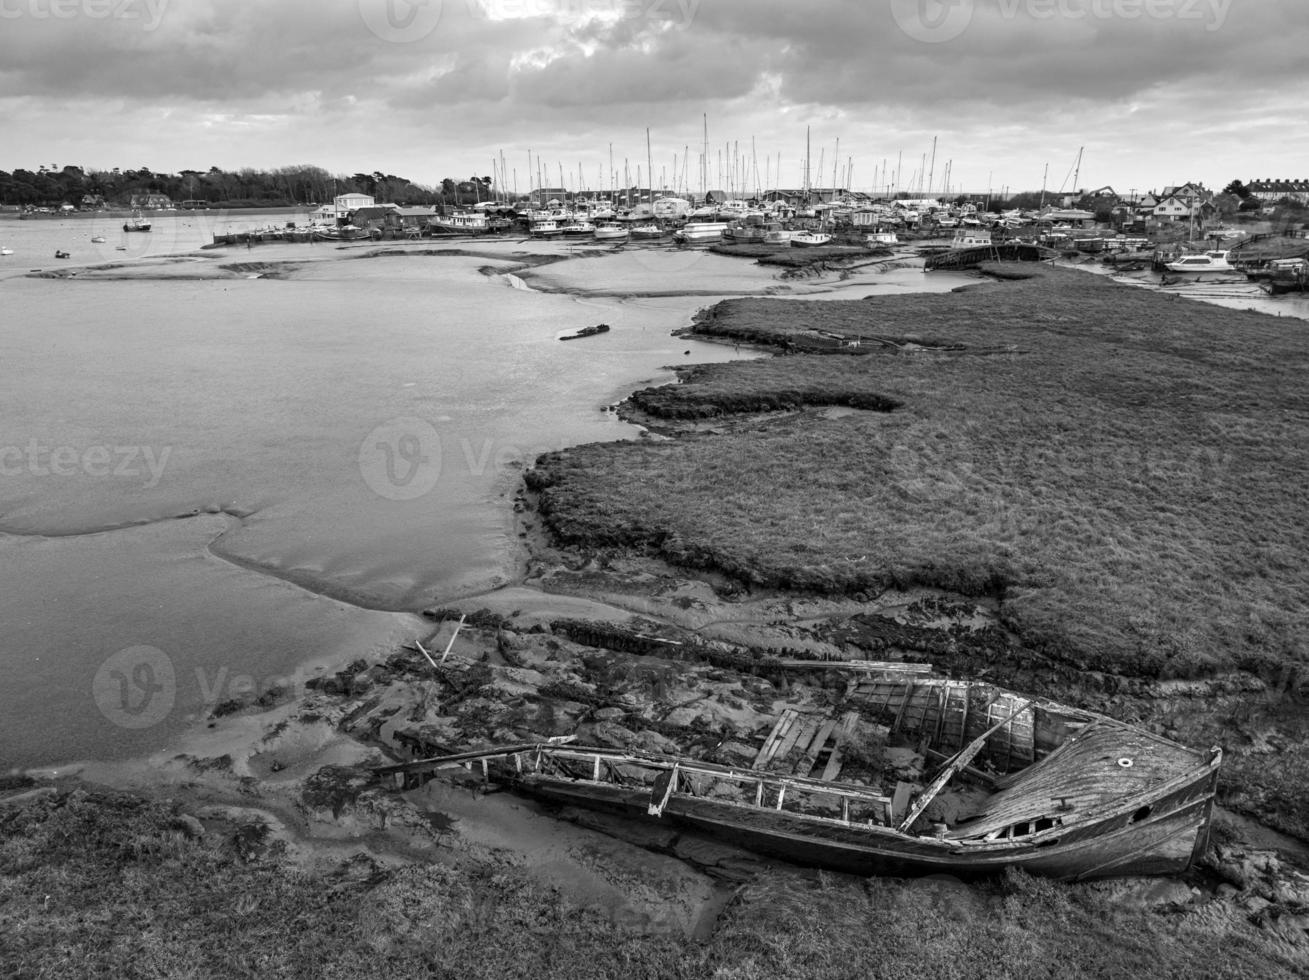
[
  {"x": 610, "y": 232},
  {"x": 699, "y": 232},
  {"x": 1201, "y": 262}
]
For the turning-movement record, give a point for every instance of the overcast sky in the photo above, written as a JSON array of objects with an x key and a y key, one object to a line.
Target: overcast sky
[{"x": 1156, "y": 91}]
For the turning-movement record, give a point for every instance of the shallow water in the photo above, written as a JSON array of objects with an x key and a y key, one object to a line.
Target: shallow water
[{"x": 208, "y": 484}]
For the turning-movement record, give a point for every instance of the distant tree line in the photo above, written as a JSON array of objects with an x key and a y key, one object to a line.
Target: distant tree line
[{"x": 286, "y": 186}]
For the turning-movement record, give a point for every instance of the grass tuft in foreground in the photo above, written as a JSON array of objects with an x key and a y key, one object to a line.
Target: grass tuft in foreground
[{"x": 105, "y": 884}]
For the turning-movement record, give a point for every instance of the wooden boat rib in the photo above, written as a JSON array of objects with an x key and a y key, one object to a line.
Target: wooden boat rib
[{"x": 1065, "y": 793}]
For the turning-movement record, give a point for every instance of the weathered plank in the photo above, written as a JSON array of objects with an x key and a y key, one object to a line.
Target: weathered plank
[
  {"x": 785, "y": 721},
  {"x": 844, "y": 730},
  {"x": 810, "y": 755}
]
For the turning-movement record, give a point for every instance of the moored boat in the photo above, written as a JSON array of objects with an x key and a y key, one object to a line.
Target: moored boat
[
  {"x": 577, "y": 228},
  {"x": 1202, "y": 262},
  {"x": 610, "y": 232},
  {"x": 700, "y": 232},
  {"x": 648, "y": 231},
  {"x": 461, "y": 222},
  {"x": 1020, "y": 782},
  {"x": 810, "y": 239},
  {"x": 1288, "y": 276},
  {"x": 545, "y": 228},
  {"x": 136, "y": 223}
]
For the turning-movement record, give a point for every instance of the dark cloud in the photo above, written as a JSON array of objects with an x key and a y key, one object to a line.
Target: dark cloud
[{"x": 1159, "y": 85}]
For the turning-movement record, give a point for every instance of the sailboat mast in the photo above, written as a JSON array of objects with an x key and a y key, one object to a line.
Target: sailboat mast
[
  {"x": 931, "y": 176},
  {"x": 649, "y": 165}
]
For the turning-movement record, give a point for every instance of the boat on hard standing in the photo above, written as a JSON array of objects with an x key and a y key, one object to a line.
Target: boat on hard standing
[
  {"x": 610, "y": 231},
  {"x": 701, "y": 232},
  {"x": 577, "y": 228},
  {"x": 1202, "y": 262},
  {"x": 646, "y": 231},
  {"x": 461, "y": 223},
  {"x": 1018, "y": 782},
  {"x": 810, "y": 239},
  {"x": 1287, "y": 276},
  {"x": 545, "y": 228}
]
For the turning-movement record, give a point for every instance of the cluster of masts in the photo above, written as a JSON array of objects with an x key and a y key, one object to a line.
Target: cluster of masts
[{"x": 737, "y": 174}]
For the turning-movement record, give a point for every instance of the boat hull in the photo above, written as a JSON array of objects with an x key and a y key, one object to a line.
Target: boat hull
[{"x": 1167, "y": 841}]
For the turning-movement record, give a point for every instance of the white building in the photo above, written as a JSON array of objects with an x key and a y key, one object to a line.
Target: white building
[{"x": 342, "y": 205}]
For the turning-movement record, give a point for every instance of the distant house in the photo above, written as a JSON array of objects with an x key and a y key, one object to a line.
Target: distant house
[
  {"x": 377, "y": 216},
  {"x": 415, "y": 217},
  {"x": 342, "y": 205},
  {"x": 150, "y": 202},
  {"x": 93, "y": 202},
  {"x": 1272, "y": 191},
  {"x": 1182, "y": 208}
]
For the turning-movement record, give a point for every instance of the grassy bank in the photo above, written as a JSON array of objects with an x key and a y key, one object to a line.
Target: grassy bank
[
  {"x": 104, "y": 884},
  {"x": 1120, "y": 468}
]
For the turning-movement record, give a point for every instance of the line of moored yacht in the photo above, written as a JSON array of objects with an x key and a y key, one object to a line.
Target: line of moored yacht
[{"x": 665, "y": 218}]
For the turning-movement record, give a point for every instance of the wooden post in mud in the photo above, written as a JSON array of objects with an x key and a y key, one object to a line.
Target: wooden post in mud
[{"x": 458, "y": 627}]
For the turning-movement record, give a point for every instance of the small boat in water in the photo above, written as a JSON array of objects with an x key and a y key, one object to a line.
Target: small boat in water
[
  {"x": 136, "y": 223},
  {"x": 98, "y": 239},
  {"x": 586, "y": 332},
  {"x": 6, "y": 251},
  {"x": 1018, "y": 782}
]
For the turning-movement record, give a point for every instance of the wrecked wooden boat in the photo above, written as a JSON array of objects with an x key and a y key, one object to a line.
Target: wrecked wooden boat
[{"x": 1029, "y": 783}]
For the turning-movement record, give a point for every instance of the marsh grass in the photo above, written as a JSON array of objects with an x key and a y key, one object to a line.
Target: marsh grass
[
  {"x": 1125, "y": 471},
  {"x": 103, "y": 884}
]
